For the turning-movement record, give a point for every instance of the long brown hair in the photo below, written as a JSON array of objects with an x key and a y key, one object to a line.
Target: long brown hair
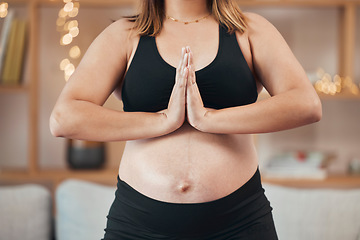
[{"x": 152, "y": 13}]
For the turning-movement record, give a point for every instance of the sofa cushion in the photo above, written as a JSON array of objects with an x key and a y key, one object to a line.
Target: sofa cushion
[
  {"x": 315, "y": 214},
  {"x": 81, "y": 209},
  {"x": 25, "y": 212}
]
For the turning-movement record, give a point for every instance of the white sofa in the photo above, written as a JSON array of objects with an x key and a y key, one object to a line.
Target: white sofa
[
  {"x": 25, "y": 212},
  {"x": 315, "y": 214},
  {"x": 81, "y": 210},
  {"x": 299, "y": 214}
]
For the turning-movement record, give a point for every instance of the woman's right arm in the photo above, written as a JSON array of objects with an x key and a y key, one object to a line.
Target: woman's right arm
[{"x": 78, "y": 112}]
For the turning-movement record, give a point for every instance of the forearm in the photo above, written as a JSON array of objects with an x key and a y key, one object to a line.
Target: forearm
[
  {"x": 87, "y": 121},
  {"x": 281, "y": 112}
]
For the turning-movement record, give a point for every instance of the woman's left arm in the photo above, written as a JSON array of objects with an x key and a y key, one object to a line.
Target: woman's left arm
[{"x": 293, "y": 102}]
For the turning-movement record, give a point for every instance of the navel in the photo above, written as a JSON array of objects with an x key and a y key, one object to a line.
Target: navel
[{"x": 184, "y": 187}]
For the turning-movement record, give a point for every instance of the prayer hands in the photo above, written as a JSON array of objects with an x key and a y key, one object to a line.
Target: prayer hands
[
  {"x": 195, "y": 109},
  {"x": 185, "y": 99}
]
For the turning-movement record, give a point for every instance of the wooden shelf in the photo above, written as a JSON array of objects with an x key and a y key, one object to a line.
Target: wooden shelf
[
  {"x": 339, "y": 181},
  {"x": 103, "y": 176},
  {"x": 14, "y": 89},
  {"x": 339, "y": 96}
]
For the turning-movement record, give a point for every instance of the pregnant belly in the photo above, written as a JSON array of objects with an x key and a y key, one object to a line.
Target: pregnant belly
[{"x": 188, "y": 166}]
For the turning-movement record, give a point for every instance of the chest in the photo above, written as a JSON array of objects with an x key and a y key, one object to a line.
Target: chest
[
  {"x": 204, "y": 46},
  {"x": 225, "y": 81}
]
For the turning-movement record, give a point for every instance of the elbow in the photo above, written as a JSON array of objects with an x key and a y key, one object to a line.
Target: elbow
[
  {"x": 59, "y": 123},
  {"x": 54, "y": 124},
  {"x": 314, "y": 110}
]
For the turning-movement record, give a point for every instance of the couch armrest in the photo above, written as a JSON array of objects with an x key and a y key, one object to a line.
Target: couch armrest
[
  {"x": 25, "y": 212},
  {"x": 81, "y": 209},
  {"x": 315, "y": 214}
]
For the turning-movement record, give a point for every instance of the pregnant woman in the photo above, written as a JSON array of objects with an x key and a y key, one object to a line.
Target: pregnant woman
[{"x": 188, "y": 73}]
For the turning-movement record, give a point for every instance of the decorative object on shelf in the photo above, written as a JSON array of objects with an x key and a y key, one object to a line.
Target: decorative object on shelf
[
  {"x": 69, "y": 29},
  {"x": 334, "y": 85},
  {"x": 3, "y": 9},
  {"x": 85, "y": 154},
  {"x": 4, "y": 38},
  {"x": 298, "y": 164},
  {"x": 354, "y": 166},
  {"x": 12, "y": 47}
]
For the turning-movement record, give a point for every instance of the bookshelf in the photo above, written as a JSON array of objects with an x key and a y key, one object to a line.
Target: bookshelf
[
  {"x": 32, "y": 91},
  {"x": 13, "y": 89}
]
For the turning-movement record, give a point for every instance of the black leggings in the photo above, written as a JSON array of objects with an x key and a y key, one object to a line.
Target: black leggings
[{"x": 244, "y": 214}]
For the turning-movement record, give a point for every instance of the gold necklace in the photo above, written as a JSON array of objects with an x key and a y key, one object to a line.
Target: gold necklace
[{"x": 187, "y": 22}]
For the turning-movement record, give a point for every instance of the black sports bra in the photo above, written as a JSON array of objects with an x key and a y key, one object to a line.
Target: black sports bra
[{"x": 226, "y": 82}]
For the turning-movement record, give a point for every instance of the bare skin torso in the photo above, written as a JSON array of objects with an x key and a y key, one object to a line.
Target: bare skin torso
[{"x": 188, "y": 166}]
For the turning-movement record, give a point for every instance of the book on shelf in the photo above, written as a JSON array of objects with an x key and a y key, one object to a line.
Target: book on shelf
[
  {"x": 4, "y": 37},
  {"x": 298, "y": 164},
  {"x": 13, "y": 59}
]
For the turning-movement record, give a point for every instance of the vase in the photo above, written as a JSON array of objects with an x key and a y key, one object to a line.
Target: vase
[{"x": 85, "y": 154}]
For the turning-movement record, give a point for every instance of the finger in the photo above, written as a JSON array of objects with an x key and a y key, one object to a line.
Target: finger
[
  {"x": 186, "y": 74},
  {"x": 182, "y": 79},
  {"x": 190, "y": 56},
  {"x": 191, "y": 59},
  {"x": 180, "y": 73},
  {"x": 191, "y": 75},
  {"x": 188, "y": 60},
  {"x": 181, "y": 57},
  {"x": 185, "y": 60}
]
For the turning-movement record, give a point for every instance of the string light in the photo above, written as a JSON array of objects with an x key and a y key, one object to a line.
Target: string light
[
  {"x": 64, "y": 63},
  {"x": 334, "y": 85},
  {"x": 66, "y": 39},
  {"x": 3, "y": 9},
  {"x": 68, "y": 7},
  {"x": 75, "y": 52},
  {"x": 74, "y": 31},
  {"x": 69, "y": 30}
]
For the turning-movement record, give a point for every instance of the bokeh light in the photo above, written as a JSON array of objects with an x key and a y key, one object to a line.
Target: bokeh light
[
  {"x": 75, "y": 52},
  {"x": 3, "y": 9},
  {"x": 69, "y": 29}
]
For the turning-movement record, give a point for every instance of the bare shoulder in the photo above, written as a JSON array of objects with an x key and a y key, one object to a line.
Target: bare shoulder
[
  {"x": 258, "y": 25},
  {"x": 120, "y": 32},
  {"x": 121, "y": 27}
]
